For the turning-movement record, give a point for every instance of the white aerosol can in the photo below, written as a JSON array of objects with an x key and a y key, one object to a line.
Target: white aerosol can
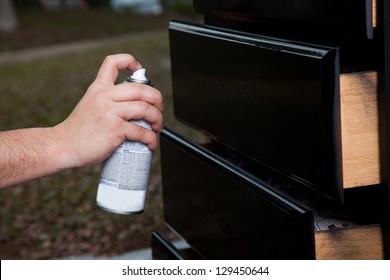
[{"x": 124, "y": 177}]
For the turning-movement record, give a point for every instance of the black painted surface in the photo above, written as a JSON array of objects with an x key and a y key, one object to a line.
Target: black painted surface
[
  {"x": 321, "y": 17},
  {"x": 276, "y": 101},
  {"x": 225, "y": 213},
  {"x": 163, "y": 249},
  {"x": 384, "y": 115}
]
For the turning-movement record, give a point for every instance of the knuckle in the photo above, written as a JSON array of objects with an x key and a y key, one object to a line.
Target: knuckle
[
  {"x": 143, "y": 107},
  {"x": 131, "y": 58},
  {"x": 162, "y": 105},
  {"x": 143, "y": 134},
  {"x": 100, "y": 100},
  {"x": 160, "y": 99},
  {"x": 159, "y": 119},
  {"x": 108, "y": 59}
]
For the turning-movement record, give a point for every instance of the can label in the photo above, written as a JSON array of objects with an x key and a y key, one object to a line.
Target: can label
[{"x": 129, "y": 166}]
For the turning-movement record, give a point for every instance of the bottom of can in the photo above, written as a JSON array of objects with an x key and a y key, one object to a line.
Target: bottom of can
[{"x": 117, "y": 211}]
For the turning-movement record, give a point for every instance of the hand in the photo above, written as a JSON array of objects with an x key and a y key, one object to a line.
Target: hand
[{"x": 99, "y": 122}]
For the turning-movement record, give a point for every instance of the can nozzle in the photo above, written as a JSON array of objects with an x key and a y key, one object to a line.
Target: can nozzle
[{"x": 140, "y": 76}]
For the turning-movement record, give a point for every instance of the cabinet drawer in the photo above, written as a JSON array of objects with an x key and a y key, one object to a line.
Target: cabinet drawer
[
  {"x": 163, "y": 249},
  {"x": 354, "y": 18},
  {"x": 224, "y": 212},
  {"x": 278, "y": 101},
  {"x": 167, "y": 246}
]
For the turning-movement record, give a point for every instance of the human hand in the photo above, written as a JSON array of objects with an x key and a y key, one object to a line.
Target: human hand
[{"x": 99, "y": 122}]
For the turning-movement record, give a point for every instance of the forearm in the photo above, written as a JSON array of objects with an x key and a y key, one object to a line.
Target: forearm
[{"x": 27, "y": 154}]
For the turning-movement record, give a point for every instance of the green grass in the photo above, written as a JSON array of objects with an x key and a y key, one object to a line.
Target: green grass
[{"x": 56, "y": 217}]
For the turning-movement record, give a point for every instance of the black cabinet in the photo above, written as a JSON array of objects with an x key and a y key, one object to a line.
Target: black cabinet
[
  {"x": 267, "y": 83},
  {"x": 224, "y": 213}
]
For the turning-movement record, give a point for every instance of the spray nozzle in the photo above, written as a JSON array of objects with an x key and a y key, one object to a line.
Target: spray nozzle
[{"x": 139, "y": 75}]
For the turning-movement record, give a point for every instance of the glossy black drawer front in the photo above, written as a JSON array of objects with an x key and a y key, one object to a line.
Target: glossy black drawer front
[
  {"x": 163, "y": 249},
  {"x": 224, "y": 213},
  {"x": 348, "y": 17},
  {"x": 275, "y": 100}
]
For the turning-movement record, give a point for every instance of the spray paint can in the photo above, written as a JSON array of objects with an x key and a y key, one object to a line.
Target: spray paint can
[{"x": 124, "y": 177}]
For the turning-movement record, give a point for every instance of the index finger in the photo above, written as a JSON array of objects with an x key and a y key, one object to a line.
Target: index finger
[{"x": 112, "y": 64}]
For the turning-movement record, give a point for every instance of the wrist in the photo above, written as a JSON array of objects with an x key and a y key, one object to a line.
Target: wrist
[{"x": 60, "y": 149}]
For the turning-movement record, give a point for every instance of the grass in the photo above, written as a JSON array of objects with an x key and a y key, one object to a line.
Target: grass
[{"x": 56, "y": 217}]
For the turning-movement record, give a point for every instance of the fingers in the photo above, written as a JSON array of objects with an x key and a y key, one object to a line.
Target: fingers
[
  {"x": 135, "y": 91},
  {"x": 112, "y": 64},
  {"x": 135, "y": 132},
  {"x": 136, "y": 110}
]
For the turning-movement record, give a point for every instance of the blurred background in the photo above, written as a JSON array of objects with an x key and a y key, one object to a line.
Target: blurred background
[{"x": 50, "y": 52}]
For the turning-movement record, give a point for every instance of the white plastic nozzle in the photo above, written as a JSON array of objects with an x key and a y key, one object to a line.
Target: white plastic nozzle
[{"x": 140, "y": 75}]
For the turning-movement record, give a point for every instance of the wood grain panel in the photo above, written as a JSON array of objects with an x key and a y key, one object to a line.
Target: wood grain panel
[
  {"x": 360, "y": 243},
  {"x": 359, "y": 129}
]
